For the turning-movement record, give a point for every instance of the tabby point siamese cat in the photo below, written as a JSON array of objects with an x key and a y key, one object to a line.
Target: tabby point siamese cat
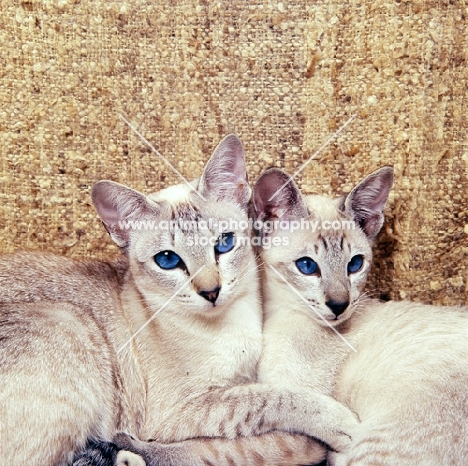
[
  {"x": 407, "y": 377},
  {"x": 162, "y": 344}
]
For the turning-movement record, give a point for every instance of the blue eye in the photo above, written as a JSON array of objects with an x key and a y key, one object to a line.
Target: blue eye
[
  {"x": 225, "y": 243},
  {"x": 168, "y": 260},
  {"x": 307, "y": 266},
  {"x": 355, "y": 264}
]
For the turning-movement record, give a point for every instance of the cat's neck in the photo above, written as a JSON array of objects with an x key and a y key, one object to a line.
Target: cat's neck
[
  {"x": 292, "y": 330},
  {"x": 280, "y": 299},
  {"x": 181, "y": 353},
  {"x": 190, "y": 336}
]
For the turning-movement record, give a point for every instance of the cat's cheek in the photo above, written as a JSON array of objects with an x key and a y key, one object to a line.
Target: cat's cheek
[
  {"x": 358, "y": 282},
  {"x": 150, "y": 279},
  {"x": 355, "y": 293}
]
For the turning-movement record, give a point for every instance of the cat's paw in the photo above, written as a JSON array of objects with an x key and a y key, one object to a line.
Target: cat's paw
[
  {"x": 141, "y": 453},
  {"x": 342, "y": 427},
  {"x": 125, "y": 441},
  {"x": 127, "y": 458},
  {"x": 137, "y": 452},
  {"x": 97, "y": 453}
]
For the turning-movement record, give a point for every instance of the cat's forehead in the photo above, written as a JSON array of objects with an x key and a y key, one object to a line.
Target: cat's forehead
[
  {"x": 323, "y": 207},
  {"x": 186, "y": 212},
  {"x": 340, "y": 242},
  {"x": 182, "y": 202},
  {"x": 327, "y": 231},
  {"x": 179, "y": 193}
]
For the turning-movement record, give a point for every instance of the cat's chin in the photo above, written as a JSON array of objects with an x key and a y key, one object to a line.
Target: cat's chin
[
  {"x": 332, "y": 321},
  {"x": 212, "y": 310}
]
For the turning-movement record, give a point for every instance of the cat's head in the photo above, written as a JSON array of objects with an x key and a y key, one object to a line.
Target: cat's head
[
  {"x": 187, "y": 244},
  {"x": 321, "y": 247}
]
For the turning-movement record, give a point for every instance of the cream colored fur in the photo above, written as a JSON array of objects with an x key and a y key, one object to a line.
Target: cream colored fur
[
  {"x": 92, "y": 348},
  {"x": 408, "y": 378}
]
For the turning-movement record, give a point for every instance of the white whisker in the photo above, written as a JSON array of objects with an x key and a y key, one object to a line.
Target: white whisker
[
  {"x": 247, "y": 270},
  {"x": 311, "y": 307}
]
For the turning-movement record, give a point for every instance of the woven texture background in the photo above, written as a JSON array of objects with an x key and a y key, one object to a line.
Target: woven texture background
[{"x": 282, "y": 75}]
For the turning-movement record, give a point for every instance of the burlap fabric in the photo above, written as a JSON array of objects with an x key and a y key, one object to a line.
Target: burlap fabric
[{"x": 282, "y": 75}]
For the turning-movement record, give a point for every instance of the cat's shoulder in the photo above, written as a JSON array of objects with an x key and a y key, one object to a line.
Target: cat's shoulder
[
  {"x": 394, "y": 317},
  {"x": 411, "y": 308},
  {"x": 30, "y": 276},
  {"x": 19, "y": 261}
]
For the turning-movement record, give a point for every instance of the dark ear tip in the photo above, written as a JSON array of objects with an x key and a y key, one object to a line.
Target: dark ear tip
[
  {"x": 232, "y": 136},
  {"x": 272, "y": 172},
  {"x": 97, "y": 189},
  {"x": 271, "y": 181},
  {"x": 276, "y": 170},
  {"x": 388, "y": 173},
  {"x": 100, "y": 186},
  {"x": 384, "y": 174},
  {"x": 387, "y": 170},
  {"x": 232, "y": 140}
]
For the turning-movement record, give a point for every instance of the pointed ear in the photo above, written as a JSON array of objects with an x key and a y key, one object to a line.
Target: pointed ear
[
  {"x": 276, "y": 196},
  {"x": 116, "y": 204},
  {"x": 225, "y": 175},
  {"x": 366, "y": 202}
]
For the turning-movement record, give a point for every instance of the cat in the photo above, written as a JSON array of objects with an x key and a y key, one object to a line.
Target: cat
[
  {"x": 161, "y": 344},
  {"x": 402, "y": 367}
]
